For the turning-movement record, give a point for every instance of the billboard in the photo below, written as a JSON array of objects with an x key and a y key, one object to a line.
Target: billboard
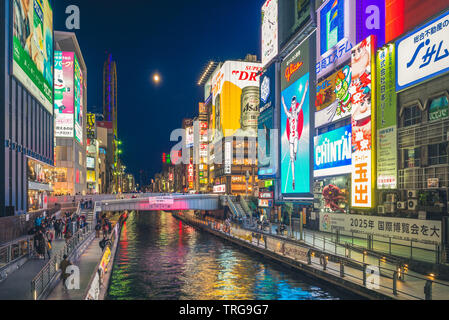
[
  {"x": 235, "y": 99},
  {"x": 189, "y": 137},
  {"x": 33, "y": 48},
  {"x": 397, "y": 228},
  {"x": 91, "y": 177},
  {"x": 292, "y": 16},
  {"x": 333, "y": 152},
  {"x": 335, "y": 34},
  {"x": 423, "y": 54},
  {"x": 64, "y": 94},
  {"x": 269, "y": 31},
  {"x": 333, "y": 99},
  {"x": 387, "y": 150},
  {"x": 79, "y": 92},
  {"x": 404, "y": 15},
  {"x": 90, "y": 162},
  {"x": 267, "y": 139},
  {"x": 295, "y": 121},
  {"x": 363, "y": 157},
  {"x": 91, "y": 133}
]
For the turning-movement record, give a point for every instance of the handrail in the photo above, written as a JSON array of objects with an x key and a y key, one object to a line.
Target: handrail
[
  {"x": 340, "y": 260},
  {"x": 51, "y": 268}
]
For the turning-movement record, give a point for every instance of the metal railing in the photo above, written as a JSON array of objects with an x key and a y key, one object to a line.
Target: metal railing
[
  {"x": 393, "y": 279},
  {"x": 96, "y": 281},
  {"x": 14, "y": 250},
  {"x": 43, "y": 279}
]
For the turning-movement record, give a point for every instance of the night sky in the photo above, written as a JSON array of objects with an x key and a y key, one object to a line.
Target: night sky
[{"x": 175, "y": 38}]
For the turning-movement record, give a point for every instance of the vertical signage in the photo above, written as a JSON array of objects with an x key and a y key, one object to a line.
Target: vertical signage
[
  {"x": 228, "y": 158},
  {"x": 64, "y": 94},
  {"x": 336, "y": 34},
  {"x": 79, "y": 91},
  {"x": 90, "y": 129},
  {"x": 363, "y": 159},
  {"x": 270, "y": 32},
  {"x": 387, "y": 154},
  {"x": 295, "y": 121}
]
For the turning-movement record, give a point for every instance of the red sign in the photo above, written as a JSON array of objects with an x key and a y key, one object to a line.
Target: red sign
[
  {"x": 265, "y": 195},
  {"x": 291, "y": 69}
]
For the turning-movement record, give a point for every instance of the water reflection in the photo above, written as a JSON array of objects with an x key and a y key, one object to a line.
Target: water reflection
[{"x": 161, "y": 258}]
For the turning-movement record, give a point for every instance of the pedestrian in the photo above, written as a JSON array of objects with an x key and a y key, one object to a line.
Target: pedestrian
[
  {"x": 97, "y": 230},
  {"x": 103, "y": 243},
  {"x": 64, "y": 275}
]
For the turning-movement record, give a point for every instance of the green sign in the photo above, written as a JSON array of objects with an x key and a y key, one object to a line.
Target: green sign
[
  {"x": 268, "y": 183},
  {"x": 33, "y": 49},
  {"x": 387, "y": 155},
  {"x": 438, "y": 108}
]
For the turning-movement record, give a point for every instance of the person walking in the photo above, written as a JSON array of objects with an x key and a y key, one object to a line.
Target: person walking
[
  {"x": 97, "y": 230},
  {"x": 65, "y": 263}
]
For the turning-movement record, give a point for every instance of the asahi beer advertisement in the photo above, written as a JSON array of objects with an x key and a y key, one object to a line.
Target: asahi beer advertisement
[
  {"x": 79, "y": 91},
  {"x": 333, "y": 152},
  {"x": 295, "y": 122},
  {"x": 387, "y": 151},
  {"x": 270, "y": 31},
  {"x": 333, "y": 99},
  {"x": 64, "y": 94},
  {"x": 423, "y": 54},
  {"x": 335, "y": 34},
  {"x": 236, "y": 99},
  {"x": 427, "y": 231},
  {"x": 33, "y": 48},
  {"x": 362, "y": 143}
]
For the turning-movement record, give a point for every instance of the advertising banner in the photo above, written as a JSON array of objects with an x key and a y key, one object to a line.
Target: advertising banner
[
  {"x": 363, "y": 165},
  {"x": 91, "y": 177},
  {"x": 33, "y": 48},
  {"x": 293, "y": 15},
  {"x": 387, "y": 150},
  {"x": 270, "y": 37},
  {"x": 79, "y": 92},
  {"x": 90, "y": 162},
  {"x": 424, "y": 54},
  {"x": 91, "y": 132},
  {"x": 427, "y": 231},
  {"x": 267, "y": 138},
  {"x": 236, "y": 99},
  {"x": 335, "y": 34},
  {"x": 189, "y": 137},
  {"x": 333, "y": 99},
  {"x": 64, "y": 94},
  {"x": 295, "y": 122},
  {"x": 220, "y": 188},
  {"x": 228, "y": 158},
  {"x": 333, "y": 151}
]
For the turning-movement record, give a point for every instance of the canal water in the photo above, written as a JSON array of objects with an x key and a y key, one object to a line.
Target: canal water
[{"x": 161, "y": 258}]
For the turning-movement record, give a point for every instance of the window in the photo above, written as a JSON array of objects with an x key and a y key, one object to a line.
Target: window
[
  {"x": 412, "y": 116},
  {"x": 438, "y": 108},
  {"x": 438, "y": 154},
  {"x": 412, "y": 158}
]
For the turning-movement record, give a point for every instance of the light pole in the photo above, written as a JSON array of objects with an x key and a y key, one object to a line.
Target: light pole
[{"x": 247, "y": 176}]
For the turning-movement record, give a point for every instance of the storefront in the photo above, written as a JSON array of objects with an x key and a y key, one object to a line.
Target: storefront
[
  {"x": 40, "y": 179},
  {"x": 422, "y": 86}
]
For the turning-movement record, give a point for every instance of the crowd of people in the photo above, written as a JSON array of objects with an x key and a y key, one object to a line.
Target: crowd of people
[{"x": 46, "y": 229}]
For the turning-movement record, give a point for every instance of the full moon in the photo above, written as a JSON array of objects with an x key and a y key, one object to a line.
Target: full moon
[{"x": 156, "y": 78}]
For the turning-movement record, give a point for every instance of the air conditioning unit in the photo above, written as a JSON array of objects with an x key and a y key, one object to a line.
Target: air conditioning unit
[
  {"x": 391, "y": 197},
  {"x": 412, "y": 204},
  {"x": 389, "y": 207},
  {"x": 401, "y": 205},
  {"x": 381, "y": 209},
  {"x": 412, "y": 194}
]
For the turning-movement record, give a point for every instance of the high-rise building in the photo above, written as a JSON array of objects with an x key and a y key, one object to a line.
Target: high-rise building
[
  {"x": 26, "y": 108},
  {"x": 110, "y": 92},
  {"x": 70, "y": 109}
]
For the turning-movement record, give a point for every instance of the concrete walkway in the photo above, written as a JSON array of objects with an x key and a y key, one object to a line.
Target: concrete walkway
[
  {"x": 17, "y": 286},
  {"x": 86, "y": 263}
]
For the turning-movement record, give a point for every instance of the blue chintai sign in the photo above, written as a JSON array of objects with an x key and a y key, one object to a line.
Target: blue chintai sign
[{"x": 333, "y": 152}]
